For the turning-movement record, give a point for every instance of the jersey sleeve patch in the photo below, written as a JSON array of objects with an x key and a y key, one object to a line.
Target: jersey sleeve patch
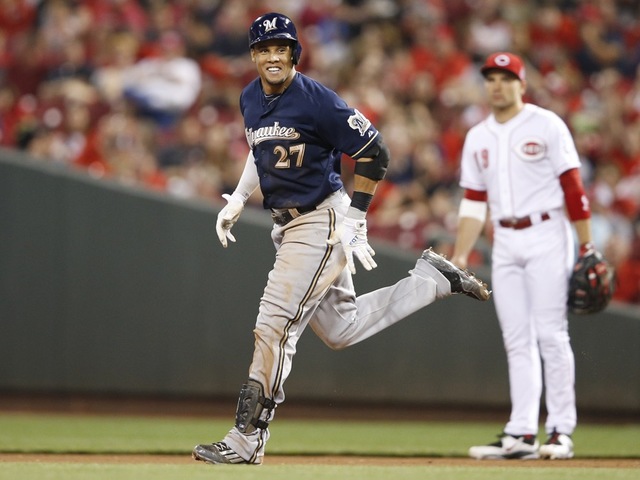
[{"x": 360, "y": 123}]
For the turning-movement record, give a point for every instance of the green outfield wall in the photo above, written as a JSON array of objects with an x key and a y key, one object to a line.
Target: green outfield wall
[{"x": 110, "y": 289}]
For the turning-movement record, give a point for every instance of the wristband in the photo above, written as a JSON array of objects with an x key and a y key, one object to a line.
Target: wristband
[
  {"x": 361, "y": 201},
  {"x": 473, "y": 209}
]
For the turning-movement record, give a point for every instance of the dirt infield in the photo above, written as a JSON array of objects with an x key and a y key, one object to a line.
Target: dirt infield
[{"x": 323, "y": 460}]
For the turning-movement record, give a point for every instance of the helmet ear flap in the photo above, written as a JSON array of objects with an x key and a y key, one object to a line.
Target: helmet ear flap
[{"x": 297, "y": 51}]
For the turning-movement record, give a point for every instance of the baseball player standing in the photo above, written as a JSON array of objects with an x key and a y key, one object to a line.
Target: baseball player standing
[
  {"x": 297, "y": 131},
  {"x": 521, "y": 162}
]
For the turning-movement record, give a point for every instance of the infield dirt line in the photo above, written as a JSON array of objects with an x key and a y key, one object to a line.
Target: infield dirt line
[{"x": 321, "y": 460}]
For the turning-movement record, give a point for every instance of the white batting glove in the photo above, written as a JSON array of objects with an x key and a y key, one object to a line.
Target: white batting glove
[
  {"x": 227, "y": 217},
  {"x": 352, "y": 234}
]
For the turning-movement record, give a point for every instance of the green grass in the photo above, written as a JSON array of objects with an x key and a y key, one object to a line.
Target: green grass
[
  {"x": 22, "y": 433},
  {"x": 59, "y": 433}
]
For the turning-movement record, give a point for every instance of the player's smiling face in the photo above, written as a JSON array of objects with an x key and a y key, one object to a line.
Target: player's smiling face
[
  {"x": 274, "y": 61},
  {"x": 504, "y": 92}
]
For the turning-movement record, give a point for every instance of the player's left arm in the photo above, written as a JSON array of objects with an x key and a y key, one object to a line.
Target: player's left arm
[
  {"x": 592, "y": 281},
  {"x": 578, "y": 207},
  {"x": 371, "y": 167}
]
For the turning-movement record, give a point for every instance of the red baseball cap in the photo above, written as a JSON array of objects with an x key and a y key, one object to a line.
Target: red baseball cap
[{"x": 504, "y": 61}]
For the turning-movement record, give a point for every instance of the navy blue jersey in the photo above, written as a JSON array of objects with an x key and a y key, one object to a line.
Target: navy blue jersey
[{"x": 298, "y": 140}]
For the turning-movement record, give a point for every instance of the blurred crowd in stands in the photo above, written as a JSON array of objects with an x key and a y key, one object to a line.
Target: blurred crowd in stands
[{"x": 145, "y": 92}]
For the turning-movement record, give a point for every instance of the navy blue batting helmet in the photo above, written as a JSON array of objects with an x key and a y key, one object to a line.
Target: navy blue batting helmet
[{"x": 275, "y": 25}]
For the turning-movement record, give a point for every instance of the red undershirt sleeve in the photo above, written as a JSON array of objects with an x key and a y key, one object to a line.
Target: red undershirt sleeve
[{"x": 577, "y": 203}]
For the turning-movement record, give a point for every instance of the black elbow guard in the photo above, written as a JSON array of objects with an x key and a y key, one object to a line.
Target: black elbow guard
[{"x": 376, "y": 167}]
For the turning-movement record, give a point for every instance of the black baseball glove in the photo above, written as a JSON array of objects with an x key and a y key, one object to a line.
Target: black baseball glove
[{"x": 591, "y": 284}]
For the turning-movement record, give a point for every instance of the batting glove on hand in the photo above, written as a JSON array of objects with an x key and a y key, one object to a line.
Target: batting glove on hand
[
  {"x": 352, "y": 234},
  {"x": 227, "y": 218}
]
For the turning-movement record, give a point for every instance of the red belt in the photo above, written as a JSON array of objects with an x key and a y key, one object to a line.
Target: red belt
[{"x": 522, "y": 222}]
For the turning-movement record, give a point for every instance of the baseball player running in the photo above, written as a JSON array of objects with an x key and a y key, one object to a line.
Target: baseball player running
[
  {"x": 297, "y": 131},
  {"x": 522, "y": 162}
]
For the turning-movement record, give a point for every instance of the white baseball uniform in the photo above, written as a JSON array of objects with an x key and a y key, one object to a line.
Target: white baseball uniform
[{"x": 518, "y": 164}]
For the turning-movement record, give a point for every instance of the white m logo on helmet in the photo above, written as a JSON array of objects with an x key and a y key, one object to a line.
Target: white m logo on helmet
[{"x": 269, "y": 25}]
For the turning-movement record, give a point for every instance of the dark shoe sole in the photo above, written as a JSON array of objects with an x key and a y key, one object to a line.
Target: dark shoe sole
[
  {"x": 461, "y": 280},
  {"x": 202, "y": 454}
]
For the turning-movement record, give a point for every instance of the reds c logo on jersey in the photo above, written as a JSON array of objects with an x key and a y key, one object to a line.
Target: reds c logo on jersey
[{"x": 531, "y": 149}]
